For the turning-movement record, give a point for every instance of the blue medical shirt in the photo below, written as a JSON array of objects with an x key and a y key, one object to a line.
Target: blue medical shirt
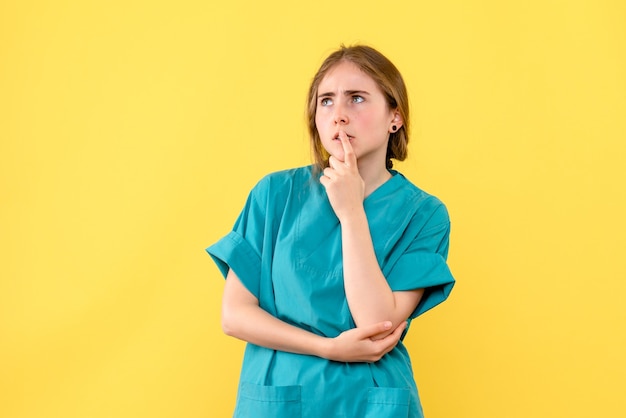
[{"x": 285, "y": 248}]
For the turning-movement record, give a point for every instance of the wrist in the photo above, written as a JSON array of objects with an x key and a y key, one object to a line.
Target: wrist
[
  {"x": 355, "y": 215},
  {"x": 325, "y": 348}
]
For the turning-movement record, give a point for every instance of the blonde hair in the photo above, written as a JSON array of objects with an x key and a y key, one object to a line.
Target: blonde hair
[{"x": 390, "y": 82}]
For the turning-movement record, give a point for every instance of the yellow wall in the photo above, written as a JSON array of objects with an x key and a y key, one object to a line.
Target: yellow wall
[{"x": 131, "y": 132}]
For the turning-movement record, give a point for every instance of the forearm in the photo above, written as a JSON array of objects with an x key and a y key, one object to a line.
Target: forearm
[
  {"x": 256, "y": 326},
  {"x": 244, "y": 319},
  {"x": 369, "y": 296}
]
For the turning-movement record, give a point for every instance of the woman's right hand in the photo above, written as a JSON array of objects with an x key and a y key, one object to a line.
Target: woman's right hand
[{"x": 360, "y": 345}]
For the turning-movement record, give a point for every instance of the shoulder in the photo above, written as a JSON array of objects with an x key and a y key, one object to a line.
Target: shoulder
[
  {"x": 279, "y": 185},
  {"x": 424, "y": 204},
  {"x": 283, "y": 179},
  {"x": 286, "y": 176}
]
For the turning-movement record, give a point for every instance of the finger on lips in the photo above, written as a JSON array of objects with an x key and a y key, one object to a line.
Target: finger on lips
[{"x": 348, "y": 152}]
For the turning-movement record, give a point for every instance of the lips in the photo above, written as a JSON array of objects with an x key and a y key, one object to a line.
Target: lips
[{"x": 336, "y": 137}]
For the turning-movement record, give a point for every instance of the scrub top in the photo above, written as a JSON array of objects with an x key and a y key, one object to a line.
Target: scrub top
[{"x": 285, "y": 248}]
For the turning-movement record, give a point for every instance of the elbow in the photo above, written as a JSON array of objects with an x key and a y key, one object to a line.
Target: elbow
[
  {"x": 230, "y": 324},
  {"x": 227, "y": 328}
]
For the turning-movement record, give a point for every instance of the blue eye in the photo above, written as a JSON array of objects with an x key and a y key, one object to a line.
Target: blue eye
[
  {"x": 326, "y": 101},
  {"x": 357, "y": 99}
]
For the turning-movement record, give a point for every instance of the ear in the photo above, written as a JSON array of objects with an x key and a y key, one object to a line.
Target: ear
[{"x": 396, "y": 122}]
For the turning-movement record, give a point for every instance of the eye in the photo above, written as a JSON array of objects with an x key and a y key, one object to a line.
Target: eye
[
  {"x": 326, "y": 101},
  {"x": 357, "y": 99}
]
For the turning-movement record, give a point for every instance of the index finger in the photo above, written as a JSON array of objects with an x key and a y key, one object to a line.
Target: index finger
[
  {"x": 349, "y": 158},
  {"x": 391, "y": 340},
  {"x": 372, "y": 330}
]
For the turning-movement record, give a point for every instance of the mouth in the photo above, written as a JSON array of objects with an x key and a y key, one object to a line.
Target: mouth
[{"x": 336, "y": 137}]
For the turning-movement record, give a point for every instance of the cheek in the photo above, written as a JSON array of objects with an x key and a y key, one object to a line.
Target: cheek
[
  {"x": 320, "y": 122},
  {"x": 317, "y": 128},
  {"x": 320, "y": 114},
  {"x": 376, "y": 122}
]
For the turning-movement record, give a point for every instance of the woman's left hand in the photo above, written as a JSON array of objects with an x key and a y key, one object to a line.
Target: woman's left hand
[
  {"x": 344, "y": 186},
  {"x": 364, "y": 344}
]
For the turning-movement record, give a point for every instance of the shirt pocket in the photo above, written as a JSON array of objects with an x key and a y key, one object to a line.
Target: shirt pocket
[
  {"x": 387, "y": 403},
  {"x": 269, "y": 401}
]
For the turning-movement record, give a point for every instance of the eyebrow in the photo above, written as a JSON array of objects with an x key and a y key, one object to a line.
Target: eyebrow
[{"x": 346, "y": 93}]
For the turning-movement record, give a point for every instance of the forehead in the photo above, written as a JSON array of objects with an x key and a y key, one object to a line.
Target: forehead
[{"x": 346, "y": 75}]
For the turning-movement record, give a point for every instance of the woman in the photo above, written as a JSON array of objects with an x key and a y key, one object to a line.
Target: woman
[{"x": 327, "y": 264}]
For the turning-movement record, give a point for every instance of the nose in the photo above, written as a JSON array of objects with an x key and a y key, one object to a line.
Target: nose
[{"x": 340, "y": 116}]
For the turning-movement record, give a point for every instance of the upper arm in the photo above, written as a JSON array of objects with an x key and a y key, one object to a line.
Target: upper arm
[
  {"x": 235, "y": 295},
  {"x": 406, "y": 303},
  {"x": 422, "y": 265},
  {"x": 235, "y": 292}
]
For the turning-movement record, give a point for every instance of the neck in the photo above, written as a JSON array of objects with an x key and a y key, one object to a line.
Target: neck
[{"x": 374, "y": 174}]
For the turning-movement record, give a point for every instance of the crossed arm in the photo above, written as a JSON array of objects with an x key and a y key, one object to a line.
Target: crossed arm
[
  {"x": 243, "y": 318},
  {"x": 379, "y": 313}
]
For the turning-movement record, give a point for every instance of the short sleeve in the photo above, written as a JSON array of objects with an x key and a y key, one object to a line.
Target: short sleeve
[
  {"x": 423, "y": 265},
  {"x": 241, "y": 249}
]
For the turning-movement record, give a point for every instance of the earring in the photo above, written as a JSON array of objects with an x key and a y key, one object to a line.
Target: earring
[{"x": 394, "y": 128}]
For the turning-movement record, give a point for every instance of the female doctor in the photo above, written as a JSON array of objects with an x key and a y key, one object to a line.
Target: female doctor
[{"x": 327, "y": 264}]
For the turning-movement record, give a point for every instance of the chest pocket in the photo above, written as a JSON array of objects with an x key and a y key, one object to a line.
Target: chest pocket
[{"x": 269, "y": 401}]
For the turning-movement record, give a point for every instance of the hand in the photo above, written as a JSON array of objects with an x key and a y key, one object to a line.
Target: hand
[
  {"x": 343, "y": 183},
  {"x": 358, "y": 345}
]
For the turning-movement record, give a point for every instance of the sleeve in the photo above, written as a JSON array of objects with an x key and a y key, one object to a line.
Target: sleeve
[
  {"x": 423, "y": 264},
  {"x": 241, "y": 249}
]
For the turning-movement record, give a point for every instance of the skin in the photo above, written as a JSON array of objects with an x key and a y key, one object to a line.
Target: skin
[
  {"x": 354, "y": 122},
  {"x": 358, "y": 116},
  {"x": 351, "y": 103},
  {"x": 244, "y": 319}
]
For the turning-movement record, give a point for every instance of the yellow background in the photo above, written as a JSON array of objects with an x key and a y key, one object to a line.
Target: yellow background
[{"x": 132, "y": 131}]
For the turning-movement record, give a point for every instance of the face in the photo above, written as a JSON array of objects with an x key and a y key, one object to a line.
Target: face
[{"x": 349, "y": 100}]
